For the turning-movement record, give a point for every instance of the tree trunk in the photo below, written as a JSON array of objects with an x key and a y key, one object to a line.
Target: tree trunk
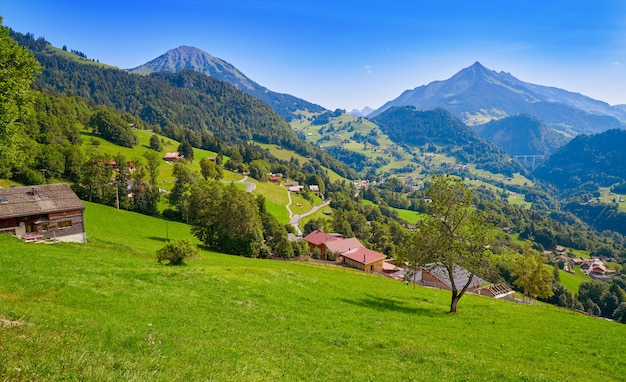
[{"x": 454, "y": 302}]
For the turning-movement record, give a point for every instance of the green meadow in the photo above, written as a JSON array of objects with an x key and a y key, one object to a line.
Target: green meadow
[{"x": 106, "y": 310}]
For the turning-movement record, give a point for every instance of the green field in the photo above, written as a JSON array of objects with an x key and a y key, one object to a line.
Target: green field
[
  {"x": 572, "y": 281},
  {"x": 107, "y": 311}
]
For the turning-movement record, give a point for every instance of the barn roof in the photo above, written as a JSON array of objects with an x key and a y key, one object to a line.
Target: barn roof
[
  {"x": 461, "y": 275},
  {"x": 318, "y": 237},
  {"x": 343, "y": 245},
  {"x": 33, "y": 200},
  {"x": 363, "y": 255}
]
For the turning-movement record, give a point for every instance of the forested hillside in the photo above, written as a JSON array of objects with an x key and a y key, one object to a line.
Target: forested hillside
[
  {"x": 587, "y": 162},
  {"x": 522, "y": 135},
  {"x": 188, "y": 106},
  {"x": 187, "y": 57},
  {"x": 439, "y": 128}
]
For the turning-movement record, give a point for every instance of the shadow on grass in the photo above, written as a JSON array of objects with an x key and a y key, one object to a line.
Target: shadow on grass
[
  {"x": 387, "y": 304},
  {"x": 161, "y": 239}
]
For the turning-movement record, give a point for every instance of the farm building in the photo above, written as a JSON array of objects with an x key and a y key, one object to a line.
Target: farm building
[
  {"x": 364, "y": 259},
  {"x": 173, "y": 157},
  {"x": 319, "y": 239},
  {"x": 435, "y": 275},
  {"x": 50, "y": 211}
]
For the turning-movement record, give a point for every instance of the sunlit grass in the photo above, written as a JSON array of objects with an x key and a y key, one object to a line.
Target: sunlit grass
[{"x": 107, "y": 311}]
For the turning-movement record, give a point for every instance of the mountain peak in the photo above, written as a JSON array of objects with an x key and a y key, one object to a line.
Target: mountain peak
[
  {"x": 478, "y": 95},
  {"x": 475, "y": 71}
]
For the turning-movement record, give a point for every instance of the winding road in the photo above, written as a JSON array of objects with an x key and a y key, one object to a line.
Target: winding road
[
  {"x": 294, "y": 220},
  {"x": 249, "y": 185}
]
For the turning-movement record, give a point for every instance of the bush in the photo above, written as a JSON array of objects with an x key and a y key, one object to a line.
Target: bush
[{"x": 175, "y": 252}]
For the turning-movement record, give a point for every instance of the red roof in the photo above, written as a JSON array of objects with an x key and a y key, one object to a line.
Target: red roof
[
  {"x": 343, "y": 245},
  {"x": 388, "y": 267},
  {"x": 318, "y": 237},
  {"x": 175, "y": 155},
  {"x": 363, "y": 255}
]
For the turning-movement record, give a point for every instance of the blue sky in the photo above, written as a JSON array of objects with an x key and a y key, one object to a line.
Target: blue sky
[{"x": 349, "y": 54}]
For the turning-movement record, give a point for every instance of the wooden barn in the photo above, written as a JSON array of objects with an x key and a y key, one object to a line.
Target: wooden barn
[{"x": 50, "y": 211}]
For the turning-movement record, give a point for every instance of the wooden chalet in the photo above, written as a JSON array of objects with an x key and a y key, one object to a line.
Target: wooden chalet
[{"x": 50, "y": 211}]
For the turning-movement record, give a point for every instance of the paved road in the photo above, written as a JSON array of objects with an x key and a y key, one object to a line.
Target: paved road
[
  {"x": 249, "y": 185},
  {"x": 294, "y": 220}
]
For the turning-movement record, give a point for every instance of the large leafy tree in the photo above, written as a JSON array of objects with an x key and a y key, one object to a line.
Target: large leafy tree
[
  {"x": 226, "y": 219},
  {"x": 18, "y": 69},
  {"x": 454, "y": 234},
  {"x": 532, "y": 274},
  {"x": 112, "y": 127}
]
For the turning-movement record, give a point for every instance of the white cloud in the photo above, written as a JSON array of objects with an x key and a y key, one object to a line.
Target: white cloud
[
  {"x": 616, "y": 63},
  {"x": 368, "y": 69}
]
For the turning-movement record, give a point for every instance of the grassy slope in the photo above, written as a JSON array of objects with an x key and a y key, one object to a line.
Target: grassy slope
[{"x": 106, "y": 310}]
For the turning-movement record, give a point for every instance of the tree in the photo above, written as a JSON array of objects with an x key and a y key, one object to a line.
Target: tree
[
  {"x": 454, "y": 234},
  {"x": 18, "y": 69},
  {"x": 226, "y": 219},
  {"x": 186, "y": 150},
  {"x": 155, "y": 143},
  {"x": 175, "y": 252},
  {"x": 179, "y": 196},
  {"x": 259, "y": 169},
  {"x": 210, "y": 170},
  {"x": 532, "y": 274},
  {"x": 112, "y": 127}
]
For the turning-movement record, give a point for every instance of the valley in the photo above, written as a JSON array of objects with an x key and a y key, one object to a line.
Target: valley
[{"x": 187, "y": 147}]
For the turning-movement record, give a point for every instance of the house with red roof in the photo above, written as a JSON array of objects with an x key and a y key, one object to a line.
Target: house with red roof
[
  {"x": 318, "y": 239},
  {"x": 364, "y": 259},
  {"x": 173, "y": 157},
  {"x": 274, "y": 178},
  {"x": 338, "y": 247}
]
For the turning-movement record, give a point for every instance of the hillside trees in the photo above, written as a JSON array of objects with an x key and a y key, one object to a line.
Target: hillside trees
[
  {"x": 112, "y": 127},
  {"x": 18, "y": 69},
  {"x": 531, "y": 274},
  {"x": 190, "y": 106},
  {"x": 155, "y": 143},
  {"x": 210, "y": 170},
  {"x": 226, "y": 219},
  {"x": 453, "y": 234}
]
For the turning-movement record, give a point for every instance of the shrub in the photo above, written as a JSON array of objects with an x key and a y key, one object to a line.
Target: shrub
[{"x": 175, "y": 252}]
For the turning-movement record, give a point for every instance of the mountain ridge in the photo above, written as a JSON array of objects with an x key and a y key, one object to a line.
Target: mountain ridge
[
  {"x": 188, "y": 57},
  {"x": 478, "y": 95}
]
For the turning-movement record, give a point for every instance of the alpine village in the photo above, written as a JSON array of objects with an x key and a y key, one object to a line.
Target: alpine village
[{"x": 179, "y": 221}]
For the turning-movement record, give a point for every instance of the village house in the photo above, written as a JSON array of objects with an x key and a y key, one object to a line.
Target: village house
[
  {"x": 50, "y": 211},
  {"x": 338, "y": 247},
  {"x": 318, "y": 239},
  {"x": 274, "y": 178},
  {"x": 364, "y": 259},
  {"x": 173, "y": 157},
  {"x": 349, "y": 252}
]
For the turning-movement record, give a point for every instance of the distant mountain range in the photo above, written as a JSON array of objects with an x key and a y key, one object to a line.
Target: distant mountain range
[
  {"x": 478, "y": 95},
  {"x": 187, "y": 57},
  {"x": 363, "y": 112}
]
